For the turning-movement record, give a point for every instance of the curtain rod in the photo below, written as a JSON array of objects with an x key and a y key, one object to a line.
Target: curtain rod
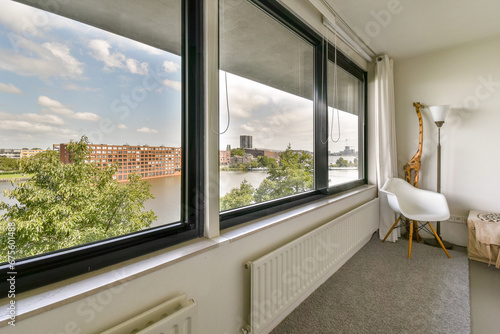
[{"x": 336, "y": 29}]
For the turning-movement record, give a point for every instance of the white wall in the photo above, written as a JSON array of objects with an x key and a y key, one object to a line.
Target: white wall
[{"x": 468, "y": 78}]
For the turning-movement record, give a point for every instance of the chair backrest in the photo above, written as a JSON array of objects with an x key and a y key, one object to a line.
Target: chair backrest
[{"x": 414, "y": 203}]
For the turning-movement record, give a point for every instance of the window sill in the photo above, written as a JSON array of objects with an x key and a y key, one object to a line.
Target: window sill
[{"x": 37, "y": 301}]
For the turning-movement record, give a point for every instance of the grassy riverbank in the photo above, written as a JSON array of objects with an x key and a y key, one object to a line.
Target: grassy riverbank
[{"x": 8, "y": 177}]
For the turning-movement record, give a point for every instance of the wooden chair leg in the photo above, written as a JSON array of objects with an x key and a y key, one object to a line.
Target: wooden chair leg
[
  {"x": 411, "y": 237},
  {"x": 392, "y": 228},
  {"x": 438, "y": 239}
]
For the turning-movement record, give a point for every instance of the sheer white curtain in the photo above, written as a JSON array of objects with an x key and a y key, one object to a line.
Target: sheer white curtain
[{"x": 386, "y": 140}]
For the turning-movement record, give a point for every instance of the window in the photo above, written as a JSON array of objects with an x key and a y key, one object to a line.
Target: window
[
  {"x": 266, "y": 90},
  {"x": 69, "y": 81},
  {"x": 346, "y": 107},
  {"x": 291, "y": 113}
]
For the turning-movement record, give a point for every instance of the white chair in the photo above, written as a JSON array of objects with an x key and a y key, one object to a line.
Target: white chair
[{"x": 415, "y": 205}]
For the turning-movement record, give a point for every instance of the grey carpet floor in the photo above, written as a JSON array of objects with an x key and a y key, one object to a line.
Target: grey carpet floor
[{"x": 379, "y": 290}]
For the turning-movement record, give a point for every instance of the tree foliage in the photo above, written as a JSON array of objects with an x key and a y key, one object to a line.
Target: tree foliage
[
  {"x": 8, "y": 164},
  {"x": 341, "y": 162},
  {"x": 293, "y": 174},
  {"x": 238, "y": 197},
  {"x": 268, "y": 162},
  {"x": 65, "y": 205},
  {"x": 238, "y": 151}
]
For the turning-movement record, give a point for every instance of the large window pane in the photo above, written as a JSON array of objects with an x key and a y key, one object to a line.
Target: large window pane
[
  {"x": 96, "y": 120},
  {"x": 345, "y": 112},
  {"x": 266, "y": 104}
]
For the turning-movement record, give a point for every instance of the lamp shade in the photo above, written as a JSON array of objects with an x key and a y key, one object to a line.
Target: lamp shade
[{"x": 439, "y": 112}]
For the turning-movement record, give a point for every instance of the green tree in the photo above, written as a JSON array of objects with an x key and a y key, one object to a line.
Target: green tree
[
  {"x": 238, "y": 151},
  {"x": 266, "y": 161},
  {"x": 292, "y": 175},
  {"x": 65, "y": 205},
  {"x": 8, "y": 164},
  {"x": 238, "y": 197},
  {"x": 341, "y": 162}
]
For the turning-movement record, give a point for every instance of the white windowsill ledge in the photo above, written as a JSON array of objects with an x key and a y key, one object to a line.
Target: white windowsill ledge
[{"x": 55, "y": 295}]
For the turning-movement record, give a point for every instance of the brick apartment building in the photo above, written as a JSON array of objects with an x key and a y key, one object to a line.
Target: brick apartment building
[
  {"x": 225, "y": 158},
  {"x": 147, "y": 161}
]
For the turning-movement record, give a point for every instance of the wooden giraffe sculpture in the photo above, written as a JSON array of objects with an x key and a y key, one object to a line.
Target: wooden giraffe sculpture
[{"x": 412, "y": 167}]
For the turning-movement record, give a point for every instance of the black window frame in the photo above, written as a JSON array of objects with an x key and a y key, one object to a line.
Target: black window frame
[
  {"x": 322, "y": 51},
  {"x": 51, "y": 267}
]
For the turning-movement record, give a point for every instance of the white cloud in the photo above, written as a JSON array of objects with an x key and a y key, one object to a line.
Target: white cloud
[
  {"x": 19, "y": 18},
  {"x": 101, "y": 50},
  {"x": 33, "y": 118},
  {"x": 247, "y": 128},
  {"x": 49, "y": 119},
  {"x": 122, "y": 127},
  {"x": 86, "y": 116},
  {"x": 52, "y": 106},
  {"x": 47, "y": 60},
  {"x": 147, "y": 130},
  {"x": 176, "y": 85},
  {"x": 102, "y": 53},
  {"x": 25, "y": 126},
  {"x": 136, "y": 68},
  {"x": 62, "y": 53},
  {"x": 73, "y": 86},
  {"x": 171, "y": 67},
  {"x": 9, "y": 88},
  {"x": 244, "y": 95},
  {"x": 31, "y": 22}
]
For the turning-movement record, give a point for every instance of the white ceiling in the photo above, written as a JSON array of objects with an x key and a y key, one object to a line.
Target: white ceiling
[{"x": 404, "y": 28}]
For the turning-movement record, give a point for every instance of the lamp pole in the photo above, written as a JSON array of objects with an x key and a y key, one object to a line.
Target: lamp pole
[
  {"x": 439, "y": 124},
  {"x": 439, "y": 114}
]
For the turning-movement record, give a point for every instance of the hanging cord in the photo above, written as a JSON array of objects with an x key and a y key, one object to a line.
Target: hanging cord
[
  {"x": 221, "y": 32},
  {"x": 227, "y": 106},
  {"x": 336, "y": 98},
  {"x": 323, "y": 47}
]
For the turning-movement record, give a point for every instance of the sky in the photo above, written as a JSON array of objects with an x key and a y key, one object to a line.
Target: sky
[
  {"x": 61, "y": 79},
  {"x": 275, "y": 118}
]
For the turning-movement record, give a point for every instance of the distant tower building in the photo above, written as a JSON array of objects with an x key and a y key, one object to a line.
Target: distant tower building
[
  {"x": 246, "y": 141},
  {"x": 228, "y": 147}
]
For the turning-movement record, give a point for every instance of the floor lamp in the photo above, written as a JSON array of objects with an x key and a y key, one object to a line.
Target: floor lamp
[{"x": 439, "y": 115}]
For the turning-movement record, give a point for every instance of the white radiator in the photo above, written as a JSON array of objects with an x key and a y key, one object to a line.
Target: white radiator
[
  {"x": 282, "y": 279},
  {"x": 175, "y": 316}
]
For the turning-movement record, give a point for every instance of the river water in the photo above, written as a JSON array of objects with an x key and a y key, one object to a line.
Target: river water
[{"x": 167, "y": 190}]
